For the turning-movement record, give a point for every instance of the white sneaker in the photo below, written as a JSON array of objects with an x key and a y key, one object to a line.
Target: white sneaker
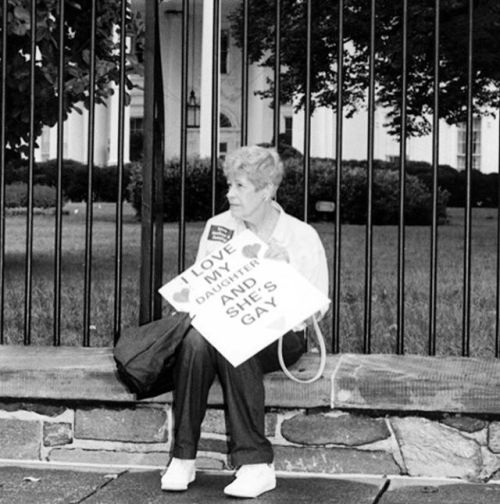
[
  {"x": 252, "y": 480},
  {"x": 178, "y": 475}
]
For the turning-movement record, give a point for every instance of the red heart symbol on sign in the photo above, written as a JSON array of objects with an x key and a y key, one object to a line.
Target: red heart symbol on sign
[
  {"x": 251, "y": 251},
  {"x": 182, "y": 296}
]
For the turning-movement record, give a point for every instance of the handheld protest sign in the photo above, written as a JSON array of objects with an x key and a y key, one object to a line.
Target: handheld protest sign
[{"x": 241, "y": 301}]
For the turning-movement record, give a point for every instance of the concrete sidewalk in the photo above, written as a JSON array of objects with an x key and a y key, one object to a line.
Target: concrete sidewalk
[{"x": 49, "y": 486}]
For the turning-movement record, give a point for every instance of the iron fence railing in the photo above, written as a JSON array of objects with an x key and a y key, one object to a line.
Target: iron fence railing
[
  {"x": 3, "y": 101},
  {"x": 61, "y": 31},
  {"x": 152, "y": 226}
]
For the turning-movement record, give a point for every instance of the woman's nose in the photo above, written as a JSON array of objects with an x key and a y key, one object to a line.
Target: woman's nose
[{"x": 229, "y": 192}]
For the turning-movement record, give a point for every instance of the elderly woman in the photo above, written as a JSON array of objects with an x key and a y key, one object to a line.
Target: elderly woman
[{"x": 253, "y": 175}]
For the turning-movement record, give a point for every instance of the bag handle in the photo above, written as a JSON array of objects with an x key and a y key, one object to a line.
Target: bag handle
[{"x": 322, "y": 351}]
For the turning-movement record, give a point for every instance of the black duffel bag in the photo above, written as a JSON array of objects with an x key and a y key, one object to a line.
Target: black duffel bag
[{"x": 145, "y": 355}]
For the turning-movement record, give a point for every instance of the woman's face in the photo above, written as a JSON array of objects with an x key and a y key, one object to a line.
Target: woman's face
[{"x": 245, "y": 200}]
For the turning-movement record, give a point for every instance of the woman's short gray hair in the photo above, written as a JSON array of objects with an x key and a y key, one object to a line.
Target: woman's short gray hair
[{"x": 262, "y": 166}]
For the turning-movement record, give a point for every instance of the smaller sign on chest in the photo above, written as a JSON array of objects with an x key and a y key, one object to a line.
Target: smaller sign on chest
[{"x": 220, "y": 233}]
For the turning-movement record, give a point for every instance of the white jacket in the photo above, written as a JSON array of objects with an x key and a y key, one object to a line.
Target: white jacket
[{"x": 300, "y": 240}]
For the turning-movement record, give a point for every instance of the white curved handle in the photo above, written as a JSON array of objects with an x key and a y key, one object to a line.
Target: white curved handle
[{"x": 322, "y": 351}]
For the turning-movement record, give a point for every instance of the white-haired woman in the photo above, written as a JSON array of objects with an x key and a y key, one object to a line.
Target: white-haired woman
[{"x": 253, "y": 175}]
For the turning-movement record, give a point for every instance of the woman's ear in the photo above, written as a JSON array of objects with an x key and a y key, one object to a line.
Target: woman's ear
[{"x": 270, "y": 192}]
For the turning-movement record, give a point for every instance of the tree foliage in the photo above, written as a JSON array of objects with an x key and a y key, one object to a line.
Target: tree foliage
[
  {"x": 388, "y": 50},
  {"x": 77, "y": 61}
]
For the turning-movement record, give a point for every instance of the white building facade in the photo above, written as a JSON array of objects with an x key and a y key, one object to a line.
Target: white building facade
[{"x": 260, "y": 114}]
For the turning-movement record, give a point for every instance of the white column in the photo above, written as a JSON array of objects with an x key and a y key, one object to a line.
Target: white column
[
  {"x": 298, "y": 130},
  {"x": 489, "y": 144},
  {"x": 113, "y": 116},
  {"x": 171, "y": 56},
  {"x": 260, "y": 114},
  {"x": 113, "y": 107},
  {"x": 75, "y": 127},
  {"x": 206, "y": 79},
  {"x": 114, "y": 121},
  {"x": 102, "y": 131},
  {"x": 323, "y": 133}
]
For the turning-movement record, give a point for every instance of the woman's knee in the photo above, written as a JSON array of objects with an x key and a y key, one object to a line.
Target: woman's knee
[{"x": 194, "y": 343}]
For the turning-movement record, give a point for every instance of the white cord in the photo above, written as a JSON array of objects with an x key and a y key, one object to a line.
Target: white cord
[{"x": 322, "y": 352}]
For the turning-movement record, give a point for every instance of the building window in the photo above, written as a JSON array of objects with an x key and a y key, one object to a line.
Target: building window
[
  {"x": 136, "y": 138},
  {"x": 139, "y": 49},
  {"x": 135, "y": 47},
  {"x": 224, "y": 121},
  {"x": 287, "y": 137},
  {"x": 222, "y": 149},
  {"x": 224, "y": 52},
  {"x": 476, "y": 145}
]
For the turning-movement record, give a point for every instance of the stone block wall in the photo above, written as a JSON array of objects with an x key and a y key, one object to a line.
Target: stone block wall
[{"x": 315, "y": 441}]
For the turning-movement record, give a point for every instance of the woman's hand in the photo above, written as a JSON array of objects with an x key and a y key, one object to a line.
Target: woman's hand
[{"x": 277, "y": 252}]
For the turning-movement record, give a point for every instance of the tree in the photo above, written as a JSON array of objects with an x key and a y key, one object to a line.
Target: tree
[
  {"x": 77, "y": 58},
  {"x": 388, "y": 56}
]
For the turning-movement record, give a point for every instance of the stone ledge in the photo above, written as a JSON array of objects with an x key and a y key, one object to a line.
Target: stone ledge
[
  {"x": 350, "y": 381},
  {"x": 89, "y": 374},
  {"x": 417, "y": 383}
]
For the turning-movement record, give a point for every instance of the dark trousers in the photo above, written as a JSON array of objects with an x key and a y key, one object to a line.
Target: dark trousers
[{"x": 197, "y": 365}]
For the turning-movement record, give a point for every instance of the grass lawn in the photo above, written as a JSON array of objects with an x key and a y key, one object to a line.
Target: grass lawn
[{"x": 417, "y": 253}]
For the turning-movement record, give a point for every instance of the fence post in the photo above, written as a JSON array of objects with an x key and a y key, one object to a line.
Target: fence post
[{"x": 152, "y": 172}]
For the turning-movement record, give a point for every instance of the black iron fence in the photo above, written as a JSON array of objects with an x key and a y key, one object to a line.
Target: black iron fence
[{"x": 32, "y": 53}]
